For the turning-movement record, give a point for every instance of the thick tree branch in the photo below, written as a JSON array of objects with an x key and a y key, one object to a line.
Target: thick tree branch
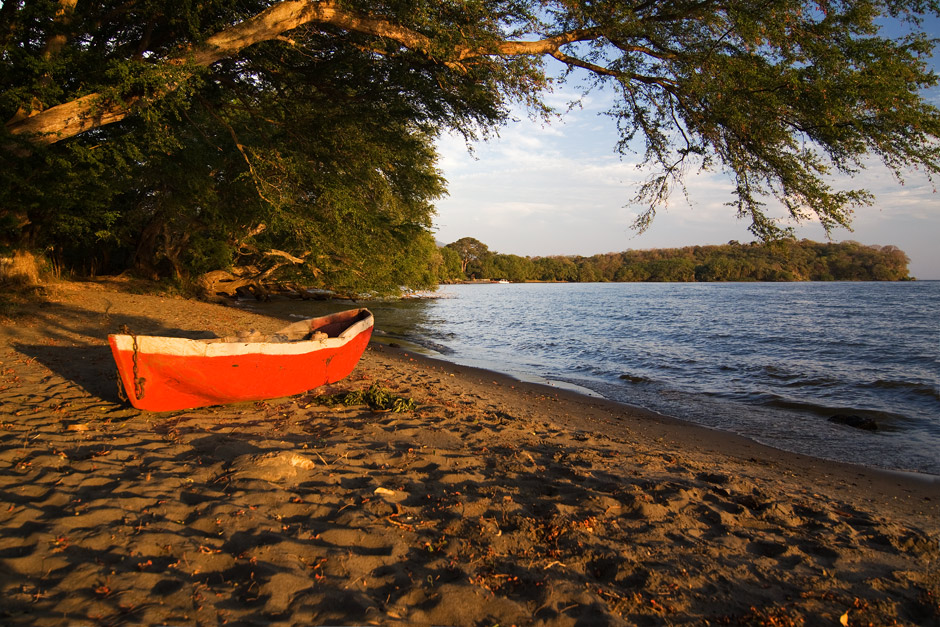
[
  {"x": 93, "y": 111},
  {"x": 71, "y": 118},
  {"x": 549, "y": 45}
]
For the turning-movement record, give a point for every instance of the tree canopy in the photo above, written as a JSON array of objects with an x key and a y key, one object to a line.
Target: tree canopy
[{"x": 178, "y": 138}]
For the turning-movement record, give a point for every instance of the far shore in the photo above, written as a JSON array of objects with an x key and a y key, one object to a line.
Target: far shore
[{"x": 494, "y": 501}]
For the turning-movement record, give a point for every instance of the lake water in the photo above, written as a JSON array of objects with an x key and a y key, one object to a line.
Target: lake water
[{"x": 769, "y": 361}]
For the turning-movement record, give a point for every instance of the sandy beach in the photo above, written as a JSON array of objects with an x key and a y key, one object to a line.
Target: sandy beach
[{"x": 493, "y": 502}]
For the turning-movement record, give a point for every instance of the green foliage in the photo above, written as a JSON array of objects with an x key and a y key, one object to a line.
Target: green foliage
[
  {"x": 784, "y": 260},
  {"x": 314, "y": 151},
  {"x": 449, "y": 269},
  {"x": 473, "y": 255},
  {"x": 377, "y": 398},
  {"x": 316, "y": 146},
  {"x": 780, "y": 94},
  {"x": 511, "y": 268}
]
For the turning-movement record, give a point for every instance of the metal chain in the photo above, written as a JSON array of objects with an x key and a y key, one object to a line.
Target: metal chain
[
  {"x": 122, "y": 395},
  {"x": 138, "y": 380}
]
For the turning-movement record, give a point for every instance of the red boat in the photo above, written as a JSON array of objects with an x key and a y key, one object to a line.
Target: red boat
[{"x": 169, "y": 373}]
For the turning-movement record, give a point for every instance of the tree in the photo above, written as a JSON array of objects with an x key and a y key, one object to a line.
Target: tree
[
  {"x": 512, "y": 268},
  {"x": 300, "y": 161},
  {"x": 450, "y": 268},
  {"x": 780, "y": 94},
  {"x": 470, "y": 251},
  {"x": 556, "y": 269}
]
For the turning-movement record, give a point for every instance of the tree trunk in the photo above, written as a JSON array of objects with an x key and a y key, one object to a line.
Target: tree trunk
[{"x": 145, "y": 257}]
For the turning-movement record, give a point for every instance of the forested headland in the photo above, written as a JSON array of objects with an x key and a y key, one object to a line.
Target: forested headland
[{"x": 787, "y": 260}]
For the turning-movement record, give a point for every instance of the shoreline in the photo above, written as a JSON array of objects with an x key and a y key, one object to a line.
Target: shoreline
[
  {"x": 617, "y": 416},
  {"x": 495, "y": 501},
  {"x": 414, "y": 348},
  {"x": 750, "y": 381},
  {"x": 588, "y": 394}
]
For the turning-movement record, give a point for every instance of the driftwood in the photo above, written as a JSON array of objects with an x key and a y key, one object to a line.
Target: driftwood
[
  {"x": 251, "y": 281},
  {"x": 221, "y": 283},
  {"x": 245, "y": 281}
]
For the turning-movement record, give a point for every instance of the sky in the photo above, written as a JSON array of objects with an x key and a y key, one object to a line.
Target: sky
[{"x": 560, "y": 189}]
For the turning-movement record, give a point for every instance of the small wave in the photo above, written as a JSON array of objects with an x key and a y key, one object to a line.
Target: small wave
[
  {"x": 541, "y": 347},
  {"x": 774, "y": 400},
  {"x": 797, "y": 376},
  {"x": 914, "y": 387},
  {"x": 632, "y": 378},
  {"x": 886, "y": 421},
  {"x": 812, "y": 382},
  {"x": 423, "y": 342},
  {"x": 583, "y": 368},
  {"x": 776, "y": 371}
]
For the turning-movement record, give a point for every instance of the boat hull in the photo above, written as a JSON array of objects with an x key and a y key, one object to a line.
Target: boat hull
[{"x": 177, "y": 373}]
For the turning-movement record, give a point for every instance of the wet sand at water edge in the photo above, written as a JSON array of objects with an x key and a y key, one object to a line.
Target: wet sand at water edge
[{"x": 493, "y": 502}]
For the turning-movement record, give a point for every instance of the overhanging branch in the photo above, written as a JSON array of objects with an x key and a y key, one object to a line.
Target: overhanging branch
[{"x": 94, "y": 110}]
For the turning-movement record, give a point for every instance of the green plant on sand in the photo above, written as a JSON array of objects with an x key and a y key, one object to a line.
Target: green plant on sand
[{"x": 378, "y": 398}]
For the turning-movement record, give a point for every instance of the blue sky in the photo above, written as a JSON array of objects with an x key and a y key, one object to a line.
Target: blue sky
[{"x": 559, "y": 189}]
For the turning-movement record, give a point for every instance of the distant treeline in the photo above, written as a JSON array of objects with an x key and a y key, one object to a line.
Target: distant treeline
[{"x": 788, "y": 260}]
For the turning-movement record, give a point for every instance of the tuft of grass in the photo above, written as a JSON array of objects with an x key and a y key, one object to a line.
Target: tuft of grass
[{"x": 376, "y": 397}]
